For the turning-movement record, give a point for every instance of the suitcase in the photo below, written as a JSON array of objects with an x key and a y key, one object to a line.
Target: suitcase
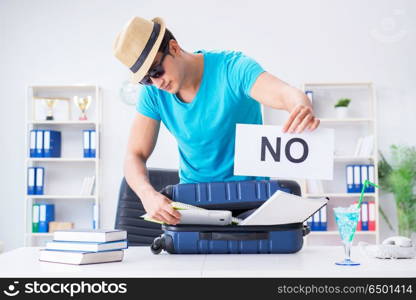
[{"x": 237, "y": 196}]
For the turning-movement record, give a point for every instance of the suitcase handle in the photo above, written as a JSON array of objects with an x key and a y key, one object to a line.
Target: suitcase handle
[{"x": 233, "y": 236}]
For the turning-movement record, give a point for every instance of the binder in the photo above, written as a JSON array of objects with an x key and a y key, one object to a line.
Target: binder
[
  {"x": 95, "y": 217},
  {"x": 364, "y": 216},
  {"x": 371, "y": 189},
  {"x": 316, "y": 223},
  {"x": 309, "y": 222},
  {"x": 35, "y": 218},
  {"x": 32, "y": 147},
  {"x": 86, "y": 143},
  {"x": 357, "y": 179},
  {"x": 51, "y": 143},
  {"x": 350, "y": 182},
  {"x": 46, "y": 215},
  {"x": 39, "y": 143},
  {"x": 359, "y": 217},
  {"x": 364, "y": 176},
  {"x": 40, "y": 175},
  {"x": 31, "y": 180},
  {"x": 92, "y": 143},
  {"x": 371, "y": 216},
  {"x": 323, "y": 216}
]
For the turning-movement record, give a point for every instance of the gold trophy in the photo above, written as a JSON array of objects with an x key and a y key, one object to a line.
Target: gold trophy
[
  {"x": 49, "y": 103},
  {"x": 83, "y": 103}
]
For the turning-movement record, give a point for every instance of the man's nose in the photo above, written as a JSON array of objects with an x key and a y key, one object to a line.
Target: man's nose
[{"x": 157, "y": 82}]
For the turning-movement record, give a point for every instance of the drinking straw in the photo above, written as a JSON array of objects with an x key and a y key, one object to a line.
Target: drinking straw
[{"x": 365, "y": 185}]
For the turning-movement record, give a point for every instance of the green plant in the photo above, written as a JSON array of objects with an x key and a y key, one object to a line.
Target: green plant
[
  {"x": 399, "y": 178},
  {"x": 343, "y": 102}
]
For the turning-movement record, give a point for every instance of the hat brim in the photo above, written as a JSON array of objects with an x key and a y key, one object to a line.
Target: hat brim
[{"x": 138, "y": 76}]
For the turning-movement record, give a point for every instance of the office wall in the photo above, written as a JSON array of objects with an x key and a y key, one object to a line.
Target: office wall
[{"x": 64, "y": 42}]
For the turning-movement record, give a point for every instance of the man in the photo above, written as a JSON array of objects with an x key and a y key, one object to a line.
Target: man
[{"x": 200, "y": 97}]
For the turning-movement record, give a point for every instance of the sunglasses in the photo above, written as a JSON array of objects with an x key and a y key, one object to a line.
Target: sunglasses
[{"x": 157, "y": 70}]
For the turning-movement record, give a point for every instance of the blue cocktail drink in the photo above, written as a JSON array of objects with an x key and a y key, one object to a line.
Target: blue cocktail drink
[{"x": 347, "y": 219}]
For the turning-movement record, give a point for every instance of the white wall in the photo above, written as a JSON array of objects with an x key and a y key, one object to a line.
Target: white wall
[{"x": 58, "y": 42}]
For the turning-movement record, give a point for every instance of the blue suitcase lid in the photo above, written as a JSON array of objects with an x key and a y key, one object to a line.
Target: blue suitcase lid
[{"x": 231, "y": 194}]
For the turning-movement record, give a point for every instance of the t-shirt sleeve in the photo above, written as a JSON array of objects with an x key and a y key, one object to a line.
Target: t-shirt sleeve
[
  {"x": 147, "y": 104},
  {"x": 242, "y": 73}
]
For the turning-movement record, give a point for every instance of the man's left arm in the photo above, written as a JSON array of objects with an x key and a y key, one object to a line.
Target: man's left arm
[{"x": 275, "y": 93}]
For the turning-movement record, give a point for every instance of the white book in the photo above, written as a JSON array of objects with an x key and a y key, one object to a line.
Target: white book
[
  {"x": 86, "y": 246},
  {"x": 284, "y": 208},
  {"x": 90, "y": 235},
  {"x": 91, "y": 183},
  {"x": 358, "y": 147},
  {"x": 314, "y": 186},
  {"x": 80, "y": 258},
  {"x": 84, "y": 186}
]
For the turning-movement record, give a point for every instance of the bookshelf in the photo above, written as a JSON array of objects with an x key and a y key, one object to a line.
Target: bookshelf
[
  {"x": 361, "y": 121},
  {"x": 64, "y": 175}
]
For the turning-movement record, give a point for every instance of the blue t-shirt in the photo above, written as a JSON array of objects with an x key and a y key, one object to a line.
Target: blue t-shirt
[{"x": 205, "y": 128}]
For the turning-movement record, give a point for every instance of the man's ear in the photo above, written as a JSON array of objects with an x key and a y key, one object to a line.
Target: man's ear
[{"x": 174, "y": 48}]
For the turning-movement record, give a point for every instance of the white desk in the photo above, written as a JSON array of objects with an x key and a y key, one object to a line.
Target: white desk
[{"x": 140, "y": 262}]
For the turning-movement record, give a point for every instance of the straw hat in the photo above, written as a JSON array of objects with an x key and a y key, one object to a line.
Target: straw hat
[{"x": 137, "y": 44}]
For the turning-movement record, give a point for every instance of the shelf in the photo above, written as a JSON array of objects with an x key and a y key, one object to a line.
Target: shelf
[
  {"x": 40, "y": 234},
  {"x": 335, "y": 232},
  {"x": 76, "y": 123},
  {"x": 345, "y": 121},
  {"x": 60, "y": 197},
  {"x": 353, "y": 158},
  {"x": 335, "y": 84},
  {"x": 61, "y": 159},
  {"x": 339, "y": 195}
]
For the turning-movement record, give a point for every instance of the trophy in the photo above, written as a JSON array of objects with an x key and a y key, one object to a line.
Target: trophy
[
  {"x": 49, "y": 103},
  {"x": 83, "y": 103}
]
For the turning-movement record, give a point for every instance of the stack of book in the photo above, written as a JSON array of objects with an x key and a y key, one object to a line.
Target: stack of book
[{"x": 81, "y": 247}]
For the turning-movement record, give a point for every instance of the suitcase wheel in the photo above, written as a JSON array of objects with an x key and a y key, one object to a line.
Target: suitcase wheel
[{"x": 156, "y": 246}]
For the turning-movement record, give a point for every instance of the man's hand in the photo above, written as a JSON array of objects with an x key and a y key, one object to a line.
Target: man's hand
[
  {"x": 158, "y": 207},
  {"x": 301, "y": 118}
]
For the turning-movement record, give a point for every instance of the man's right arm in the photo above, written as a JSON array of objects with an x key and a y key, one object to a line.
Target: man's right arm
[{"x": 142, "y": 140}]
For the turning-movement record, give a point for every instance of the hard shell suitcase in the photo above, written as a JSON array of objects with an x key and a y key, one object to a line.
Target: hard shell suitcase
[{"x": 237, "y": 196}]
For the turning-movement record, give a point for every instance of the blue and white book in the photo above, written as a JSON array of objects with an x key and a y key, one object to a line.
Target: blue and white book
[
  {"x": 80, "y": 258},
  {"x": 86, "y": 246},
  {"x": 90, "y": 235},
  {"x": 51, "y": 143}
]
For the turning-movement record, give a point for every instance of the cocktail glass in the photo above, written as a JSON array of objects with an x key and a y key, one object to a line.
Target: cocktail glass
[{"x": 347, "y": 219}]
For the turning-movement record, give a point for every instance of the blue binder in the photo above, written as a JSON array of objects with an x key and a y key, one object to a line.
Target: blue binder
[
  {"x": 350, "y": 178},
  {"x": 32, "y": 146},
  {"x": 31, "y": 180},
  {"x": 364, "y": 216},
  {"x": 357, "y": 179},
  {"x": 51, "y": 143},
  {"x": 371, "y": 175},
  {"x": 40, "y": 176},
  {"x": 323, "y": 219},
  {"x": 86, "y": 143},
  {"x": 39, "y": 143},
  {"x": 93, "y": 143},
  {"x": 46, "y": 215}
]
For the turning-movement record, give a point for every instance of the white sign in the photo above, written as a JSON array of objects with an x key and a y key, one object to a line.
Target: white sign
[{"x": 264, "y": 150}]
